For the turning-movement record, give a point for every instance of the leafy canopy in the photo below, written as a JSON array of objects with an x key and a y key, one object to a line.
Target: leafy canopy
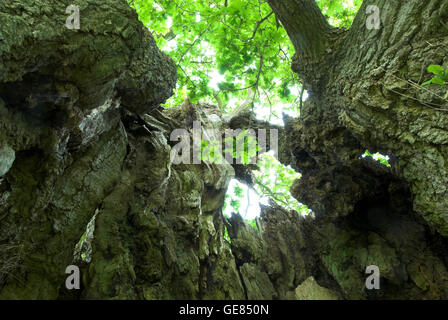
[{"x": 229, "y": 51}]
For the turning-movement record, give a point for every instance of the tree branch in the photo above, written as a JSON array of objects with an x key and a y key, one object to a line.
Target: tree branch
[
  {"x": 269, "y": 192},
  {"x": 306, "y": 26},
  {"x": 259, "y": 23},
  {"x": 257, "y": 81},
  {"x": 192, "y": 45}
]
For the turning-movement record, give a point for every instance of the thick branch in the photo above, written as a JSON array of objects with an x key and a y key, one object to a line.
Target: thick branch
[{"x": 307, "y": 28}]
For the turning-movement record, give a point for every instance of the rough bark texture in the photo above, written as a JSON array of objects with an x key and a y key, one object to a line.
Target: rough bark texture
[
  {"x": 84, "y": 149},
  {"x": 362, "y": 96}
]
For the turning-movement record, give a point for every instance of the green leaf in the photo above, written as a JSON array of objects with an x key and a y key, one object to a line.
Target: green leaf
[
  {"x": 235, "y": 204},
  {"x": 437, "y": 80},
  {"x": 436, "y": 69},
  {"x": 238, "y": 191},
  {"x": 226, "y": 235}
]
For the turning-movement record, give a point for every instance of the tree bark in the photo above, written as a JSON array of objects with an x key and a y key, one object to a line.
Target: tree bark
[
  {"x": 366, "y": 94},
  {"x": 369, "y": 98},
  {"x": 307, "y": 28}
]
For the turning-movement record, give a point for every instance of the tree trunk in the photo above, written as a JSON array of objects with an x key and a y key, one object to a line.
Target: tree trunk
[
  {"x": 365, "y": 94},
  {"x": 86, "y": 176}
]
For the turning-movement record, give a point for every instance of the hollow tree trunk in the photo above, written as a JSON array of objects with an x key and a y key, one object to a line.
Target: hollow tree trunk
[{"x": 84, "y": 149}]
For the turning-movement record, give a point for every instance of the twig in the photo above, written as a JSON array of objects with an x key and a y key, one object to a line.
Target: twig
[
  {"x": 259, "y": 23},
  {"x": 260, "y": 67},
  {"x": 188, "y": 77},
  {"x": 192, "y": 45},
  {"x": 426, "y": 105},
  {"x": 270, "y": 192},
  {"x": 415, "y": 85}
]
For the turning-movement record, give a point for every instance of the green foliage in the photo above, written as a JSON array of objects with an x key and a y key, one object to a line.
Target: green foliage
[
  {"x": 233, "y": 199},
  {"x": 235, "y": 204},
  {"x": 226, "y": 235},
  {"x": 252, "y": 223},
  {"x": 340, "y": 13},
  {"x": 79, "y": 246},
  {"x": 210, "y": 151},
  {"x": 274, "y": 181},
  {"x": 238, "y": 191},
  {"x": 244, "y": 149},
  {"x": 224, "y": 48},
  {"x": 384, "y": 160},
  {"x": 440, "y": 78}
]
